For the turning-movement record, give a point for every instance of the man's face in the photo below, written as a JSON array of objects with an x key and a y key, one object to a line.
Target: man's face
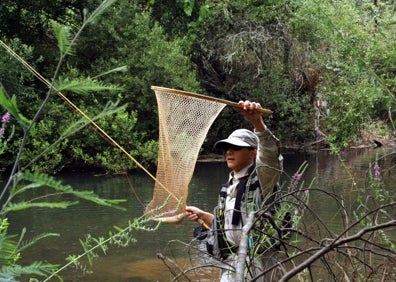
[{"x": 239, "y": 157}]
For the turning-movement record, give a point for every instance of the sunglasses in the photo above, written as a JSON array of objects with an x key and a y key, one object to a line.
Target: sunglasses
[{"x": 235, "y": 148}]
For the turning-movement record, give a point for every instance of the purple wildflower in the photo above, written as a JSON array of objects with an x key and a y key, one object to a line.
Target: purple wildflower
[
  {"x": 6, "y": 118},
  {"x": 377, "y": 172},
  {"x": 1, "y": 132},
  {"x": 295, "y": 180}
]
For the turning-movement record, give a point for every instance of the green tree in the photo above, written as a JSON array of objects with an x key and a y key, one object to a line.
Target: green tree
[
  {"x": 21, "y": 181},
  {"x": 152, "y": 57},
  {"x": 351, "y": 44},
  {"x": 124, "y": 37},
  {"x": 318, "y": 65},
  {"x": 323, "y": 67},
  {"x": 244, "y": 50}
]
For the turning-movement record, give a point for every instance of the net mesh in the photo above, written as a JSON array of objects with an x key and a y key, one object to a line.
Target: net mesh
[{"x": 184, "y": 122}]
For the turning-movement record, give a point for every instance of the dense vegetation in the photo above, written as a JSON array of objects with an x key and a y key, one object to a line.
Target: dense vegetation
[{"x": 326, "y": 68}]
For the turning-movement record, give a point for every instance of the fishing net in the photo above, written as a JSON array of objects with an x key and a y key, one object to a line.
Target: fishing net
[{"x": 184, "y": 121}]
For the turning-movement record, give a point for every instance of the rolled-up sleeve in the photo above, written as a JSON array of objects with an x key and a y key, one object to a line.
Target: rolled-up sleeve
[{"x": 269, "y": 162}]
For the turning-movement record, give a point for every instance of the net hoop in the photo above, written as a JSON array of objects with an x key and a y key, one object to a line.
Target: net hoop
[
  {"x": 204, "y": 97},
  {"x": 184, "y": 120}
]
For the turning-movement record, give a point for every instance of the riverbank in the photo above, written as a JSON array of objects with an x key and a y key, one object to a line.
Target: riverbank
[{"x": 366, "y": 140}]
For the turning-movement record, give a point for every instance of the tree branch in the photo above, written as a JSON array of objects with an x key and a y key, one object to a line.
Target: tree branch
[{"x": 333, "y": 245}]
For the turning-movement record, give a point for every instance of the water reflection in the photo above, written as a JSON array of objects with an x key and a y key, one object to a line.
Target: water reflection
[{"x": 139, "y": 261}]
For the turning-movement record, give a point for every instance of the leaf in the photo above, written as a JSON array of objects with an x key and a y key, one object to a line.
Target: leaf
[
  {"x": 63, "y": 37},
  {"x": 10, "y": 273},
  {"x": 27, "y": 205},
  {"x": 7, "y": 245},
  {"x": 38, "y": 180},
  {"x": 119, "y": 69},
  {"x": 12, "y": 108},
  {"x": 34, "y": 240},
  {"x": 91, "y": 196},
  {"x": 109, "y": 109},
  {"x": 82, "y": 86},
  {"x": 99, "y": 10}
]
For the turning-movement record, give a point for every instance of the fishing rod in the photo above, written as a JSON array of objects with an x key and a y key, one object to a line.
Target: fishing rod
[
  {"x": 78, "y": 110},
  {"x": 98, "y": 128}
]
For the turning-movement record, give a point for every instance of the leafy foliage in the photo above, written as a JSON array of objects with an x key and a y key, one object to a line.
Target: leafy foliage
[
  {"x": 10, "y": 254},
  {"x": 313, "y": 63},
  {"x": 11, "y": 106},
  {"x": 32, "y": 189},
  {"x": 324, "y": 65},
  {"x": 26, "y": 181},
  {"x": 63, "y": 37},
  {"x": 349, "y": 39},
  {"x": 151, "y": 58}
]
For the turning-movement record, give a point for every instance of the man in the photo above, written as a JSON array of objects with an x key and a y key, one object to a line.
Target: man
[{"x": 256, "y": 165}]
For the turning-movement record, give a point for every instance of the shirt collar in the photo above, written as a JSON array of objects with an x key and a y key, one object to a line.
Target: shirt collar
[{"x": 243, "y": 172}]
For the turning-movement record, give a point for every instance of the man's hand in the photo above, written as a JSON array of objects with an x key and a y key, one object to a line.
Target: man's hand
[
  {"x": 251, "y": 111},
  {"x": 196, "y": 214}
]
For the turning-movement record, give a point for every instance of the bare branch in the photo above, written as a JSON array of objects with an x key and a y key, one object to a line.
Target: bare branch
[
  {"x": 243, "y": 248},
  {"x": 333, "y": 245}
]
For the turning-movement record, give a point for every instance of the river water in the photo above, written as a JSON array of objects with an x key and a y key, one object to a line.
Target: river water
[{"x": 139, "y": 261}]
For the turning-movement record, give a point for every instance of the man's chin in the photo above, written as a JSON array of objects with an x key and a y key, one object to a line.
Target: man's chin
[{"x": 230, "y": 165}]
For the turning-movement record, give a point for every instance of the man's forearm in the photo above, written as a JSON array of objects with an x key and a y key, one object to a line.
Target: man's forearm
[{"x": 269, "y": 161}]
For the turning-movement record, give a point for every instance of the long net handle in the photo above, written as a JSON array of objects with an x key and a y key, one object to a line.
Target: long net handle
[{"x": 200, "y": 96}]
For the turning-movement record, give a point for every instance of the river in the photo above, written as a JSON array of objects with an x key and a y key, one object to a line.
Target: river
[{"x": 139, "y": 261}]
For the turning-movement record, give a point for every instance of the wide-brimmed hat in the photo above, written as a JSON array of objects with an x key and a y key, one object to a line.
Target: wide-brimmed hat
[{"x": 241, "y": 138}]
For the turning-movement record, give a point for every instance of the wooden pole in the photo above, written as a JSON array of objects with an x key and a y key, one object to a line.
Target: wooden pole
[{"x": 200, "y": 96}]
